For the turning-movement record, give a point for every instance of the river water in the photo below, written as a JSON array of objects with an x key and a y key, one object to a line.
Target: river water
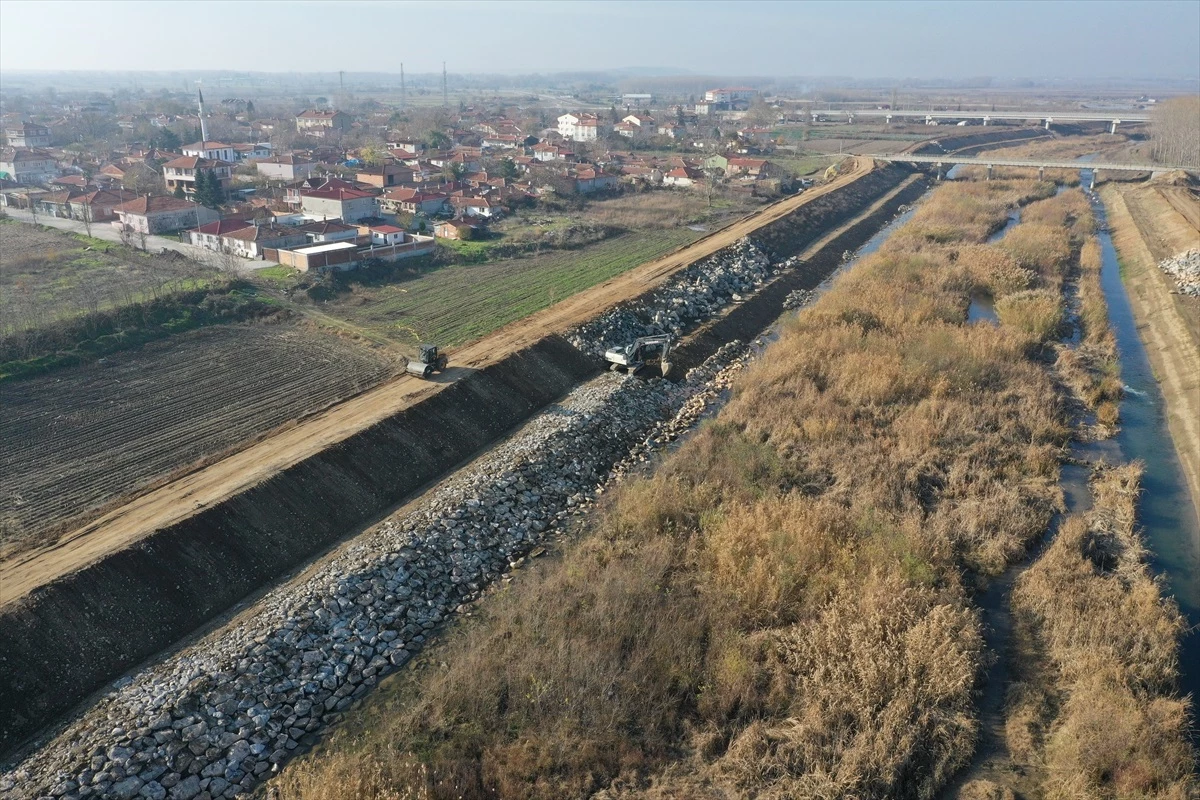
[{"x": 1166, "y": 512}]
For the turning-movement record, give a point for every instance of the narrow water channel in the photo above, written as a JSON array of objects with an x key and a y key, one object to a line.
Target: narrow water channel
[{"x": 1166, "y": 512}]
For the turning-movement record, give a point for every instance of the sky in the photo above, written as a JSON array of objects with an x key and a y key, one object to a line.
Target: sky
[{"x": 951, "y": 40}]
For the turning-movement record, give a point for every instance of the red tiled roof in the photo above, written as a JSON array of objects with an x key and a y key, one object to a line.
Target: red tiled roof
[
  {"x": 222, "y": 226},
  {"x": 206, "y": 145},
  {"x": 153, "y": 205},
  {"x": 335, "y": 193},
  {"x": 196, "y": 162}
]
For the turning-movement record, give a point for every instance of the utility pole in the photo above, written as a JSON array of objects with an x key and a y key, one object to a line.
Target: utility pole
[
  {"x": 342, "y": 81},
  {"x": 445, "y": 101},
  {"x": 402, "y": 95}
]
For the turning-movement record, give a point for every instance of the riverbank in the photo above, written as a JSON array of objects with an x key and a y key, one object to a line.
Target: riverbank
[
  {"x": 1169, "y": 324},
  {"x": 784, "y": 607}
]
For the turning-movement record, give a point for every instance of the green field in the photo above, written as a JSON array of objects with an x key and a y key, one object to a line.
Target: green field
[{"x": 456, "y": 304}]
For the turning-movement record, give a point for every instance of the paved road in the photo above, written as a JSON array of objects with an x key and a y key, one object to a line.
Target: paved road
[{"x": 105, "y": 231}]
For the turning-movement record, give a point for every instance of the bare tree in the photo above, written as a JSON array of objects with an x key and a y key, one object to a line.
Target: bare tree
[
  {"x": 86, "y": 218},
  {"x": 1175, "y": 129}
]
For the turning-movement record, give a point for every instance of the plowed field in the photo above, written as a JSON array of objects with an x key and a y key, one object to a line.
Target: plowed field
[{"x": 78, "y": 438}]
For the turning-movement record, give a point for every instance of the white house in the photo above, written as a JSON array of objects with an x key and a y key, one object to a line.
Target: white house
[
  {"x": 581, "y": 127},
  {"x": 252, "y": 151},
  {"x": 249, "y": 242},
  {"x": 286, "y": 168},
  {"x": 213, "y": 151},
  {"x": 209, "y": 236},
  {"x": 386, "y": 234}
]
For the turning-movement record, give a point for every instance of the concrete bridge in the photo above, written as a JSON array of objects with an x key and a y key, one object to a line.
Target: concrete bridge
[
  {"x": 1114, "y": 118},
  {"x": 1040, "y": 165}
]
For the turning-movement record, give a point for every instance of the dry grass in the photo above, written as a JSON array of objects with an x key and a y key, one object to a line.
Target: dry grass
[
  {"x": 1091, "y": 368},
  {"x": 1108, "y": 720},
  {"x": 782, "y": 609}
]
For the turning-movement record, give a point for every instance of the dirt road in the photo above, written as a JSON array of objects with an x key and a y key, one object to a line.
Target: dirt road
[
  {"x": 106, "y": 232},
  {"x": 1146, "y": 228},
  {"x": 181, "y": 498}
]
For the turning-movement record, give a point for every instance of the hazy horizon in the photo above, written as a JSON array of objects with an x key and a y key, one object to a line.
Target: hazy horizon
[{"x": 916, "y": 40}]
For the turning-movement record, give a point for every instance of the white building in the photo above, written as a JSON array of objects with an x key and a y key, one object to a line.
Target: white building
[
  {"x": 731, "y": 95},
  {"x": 579, "y": 127},
  {"x": 213, "y": 151}
]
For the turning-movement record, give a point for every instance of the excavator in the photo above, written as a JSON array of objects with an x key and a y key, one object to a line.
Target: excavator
[
  {"x": 645, "y": 349},
  {"x": 428, "y": 361}
]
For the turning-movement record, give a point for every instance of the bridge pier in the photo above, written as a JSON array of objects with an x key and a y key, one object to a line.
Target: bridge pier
[
  {"x": 941, "y": 172},
  {"x": 1041, "y": 173},
  {"x": 849, "y": 119},
  {"x": 1048, "y": 121},
  {"x": 989, "y": 172},
  {"x": 986, "y": 120},
  {"x": 1115, "y": 123},
  {"x": 887, "y": 118},
  {"x": 1095, "y": 177},
  {"x": 814, "y": 117}
]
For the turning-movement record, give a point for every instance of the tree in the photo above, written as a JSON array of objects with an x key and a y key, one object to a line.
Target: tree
[
  {"x": 166, "y": 139},
  {"x": 85, "y": 217},
  {"x": 437, "y": 140},
  {"x": 140, "y": 179},
  {"x": 508, "y": 168},
  {"x": 1175, "y": 130},
  {"x": 760, "y": 114},
  {"x": 179, "y": 193},
  {"x": 454, "y": 170},
  {"x": 208, "y": 189},
  {"x": 372, "y": 155},
  {"x": 249, "y": 108}
]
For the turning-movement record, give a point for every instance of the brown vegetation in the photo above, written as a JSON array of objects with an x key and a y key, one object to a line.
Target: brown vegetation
[
  {"x": 1097, "y": 708},
  {"x": 781, "y": 609}
]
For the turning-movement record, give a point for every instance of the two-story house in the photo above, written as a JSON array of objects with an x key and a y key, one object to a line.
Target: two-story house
[
  {"x": 182, "y": 172},
  {"x": 213, "y": 151},
  {"x": 348, "y": 205},
  {"x": 579, "y": 127},
  {"x": 322, "y": 123},
  {"x": 28, "y": 165}
]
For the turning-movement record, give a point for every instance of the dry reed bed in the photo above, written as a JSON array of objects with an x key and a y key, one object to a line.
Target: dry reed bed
[
  {"x": 1096, "y": 713},
  {"x": 783, "y": 609}
]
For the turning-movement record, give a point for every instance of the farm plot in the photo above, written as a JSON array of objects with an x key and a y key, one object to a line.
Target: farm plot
[
  {"x": 456, "y": 304},
  {"x": 47, "y": 275},
  {"x": 80, "y": 437}
]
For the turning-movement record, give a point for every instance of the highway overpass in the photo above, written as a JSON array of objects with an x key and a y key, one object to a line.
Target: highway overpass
[
  {"x": 1113, "y": 118},
  {"x": 1041, "y": 165}
]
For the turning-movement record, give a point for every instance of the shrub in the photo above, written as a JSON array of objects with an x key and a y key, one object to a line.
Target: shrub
[{"x": 1035, "y": 313}]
